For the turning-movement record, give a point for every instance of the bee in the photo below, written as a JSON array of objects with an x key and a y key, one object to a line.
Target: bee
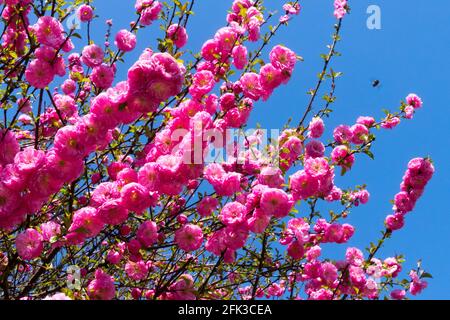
[{"x": 376, "y": 83}]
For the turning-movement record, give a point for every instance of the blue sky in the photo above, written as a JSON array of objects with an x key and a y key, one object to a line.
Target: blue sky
[{"x": 407, "y": 55}]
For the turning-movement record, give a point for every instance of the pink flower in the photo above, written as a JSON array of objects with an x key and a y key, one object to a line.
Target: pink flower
[
  {"x": 283, "y": 59},
  {"x": 147, "y": 233},
  {"x": 315, "y": 149},
  {"x": 57, "y": 296},
  {"x": 102, "y": 287},
  {"x": 313, "y": 253},
  {"x": 251, "y": 86},
  {"x": 403, "y": 203},
  {"x": 395, "y": 222},
  {"x": 398, "y": 294},
  {"x": 292, "y": 9},
  {"x": 317, "y": 167},
  {"x": 316, "y": 128},
  {"x": 409, "y": 112},
  {"x": 296, "y": 250},
  {"x": 49, "y": 31},
  {"x": 414, "y": 101},
  {"x": 125, "y": 40},
  {"x": 342, "y": 134},
  {"x": 149, "y": 10},
  {"x": 189, "y": 237},
  {"x": 270, "y": 77},
  {"x": 276, "y": 202},
  {"x": 29, "y": 160},
  {"x": 113, "y": 212},
  {"x": 135, "y": 197},
  {"x": 340, "y": 8},
  {"x": 178, "y": 35},
  {"x": 92, "y": 55},
  {"x": 102, "y": 76},
  {"x": 86, "y": 222},
  {"x": 417, "y": 284},
  {"x": 202, "y": 83},
  {"x": 68, "y": 144},
  {"x": 29, "y": 244},
  {"x": 303, "y": 185},
  {"x": 390, "y": 122},
  {"x": 359, "y": 133},
  {"x": 354, "y": 256},
  {"x": 39, "y": 73},
  {"x": 49, "y": 230},
  {"x": 9, "y": 146},
  {"x": 271, "y": 177},
  {"x": 342, "y": 157},
  {"x": 367, "y": 121},
  {"x": 239, "y": 54},
  {"x": 224, "y": 183},
  {"x": 154, "y": 80},
  {"x": 232, "y": 214},
  {"x": 210, "y": 50},
  {"x": 226, "y": 40},
  {"x": 85, "y": 13},
  {"x": 136, "y": 270},
  {"x": 258, "y": 221},
  {"x": 207, "y": 205}
]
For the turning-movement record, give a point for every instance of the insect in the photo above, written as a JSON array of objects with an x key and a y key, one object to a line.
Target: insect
[{"x": 376, "y": 83}]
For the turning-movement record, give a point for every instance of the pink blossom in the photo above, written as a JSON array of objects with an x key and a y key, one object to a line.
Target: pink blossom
[
  {"x": 303, "y": 185},
  {"x": 283, "y": 59},
  {"x": 417, "y": 284},
  {"x": 395, "y": 222},
  {"x": 125, "y": 40},
  {"x": 342, "y": 134},
  {"x": 276, "y": 202},
  {"x": 85, "y": 13},
  {"x": 239, "y": 54},
  {"x": 207, "y": 205},
  {"x": 354, "y": 256},
  {"x": 29, "y": 244},
  {"x": 178, "y": 35},
  {"x": 86, "y": 222},
  {"x": 135, "y": 197},
  {"x": 317, "y": 167},
  {"x": 102, "y": 287},
  {"x": 367, "y": 121},
  {"x": 9, "y": 146},
  {"x": 390, "y": 122},
  {"x": 39, "y": 73},
  {"x": 102, "y": 76},
  {"x": 314, "y": 149},
  {"x": 359, "y": 133},
  {"x": 414, "y": 100},
  {"x": 189, "y": 237},
  {"x": 49, "y": 230},
  {"x": 136, "y": 270},
  {"x": 92, "y": 55},
  {"x": 202, "y": 83},
  {"x": 341, "y": 156},
  {"x": 251, "y": 86},
  {"x": 113, "y": 212},
  {"x": 147, "y": 233},
  {"x": 49, "y": 31},
  {"x": 316, "y": 128},
  {"x": 398, "y": 294},
  {"x": 149, "y": 10},
  {"x": 232, "y": 213}
]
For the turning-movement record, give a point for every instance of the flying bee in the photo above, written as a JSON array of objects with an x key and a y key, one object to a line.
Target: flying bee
[{"x": 376, "y": 83}]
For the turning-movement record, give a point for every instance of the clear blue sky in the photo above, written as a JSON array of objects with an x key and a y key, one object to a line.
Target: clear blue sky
[{"x": 408, "y": 55}]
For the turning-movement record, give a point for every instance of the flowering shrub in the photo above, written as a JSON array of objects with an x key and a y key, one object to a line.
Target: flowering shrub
[{"x": 117, "y": 179}]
